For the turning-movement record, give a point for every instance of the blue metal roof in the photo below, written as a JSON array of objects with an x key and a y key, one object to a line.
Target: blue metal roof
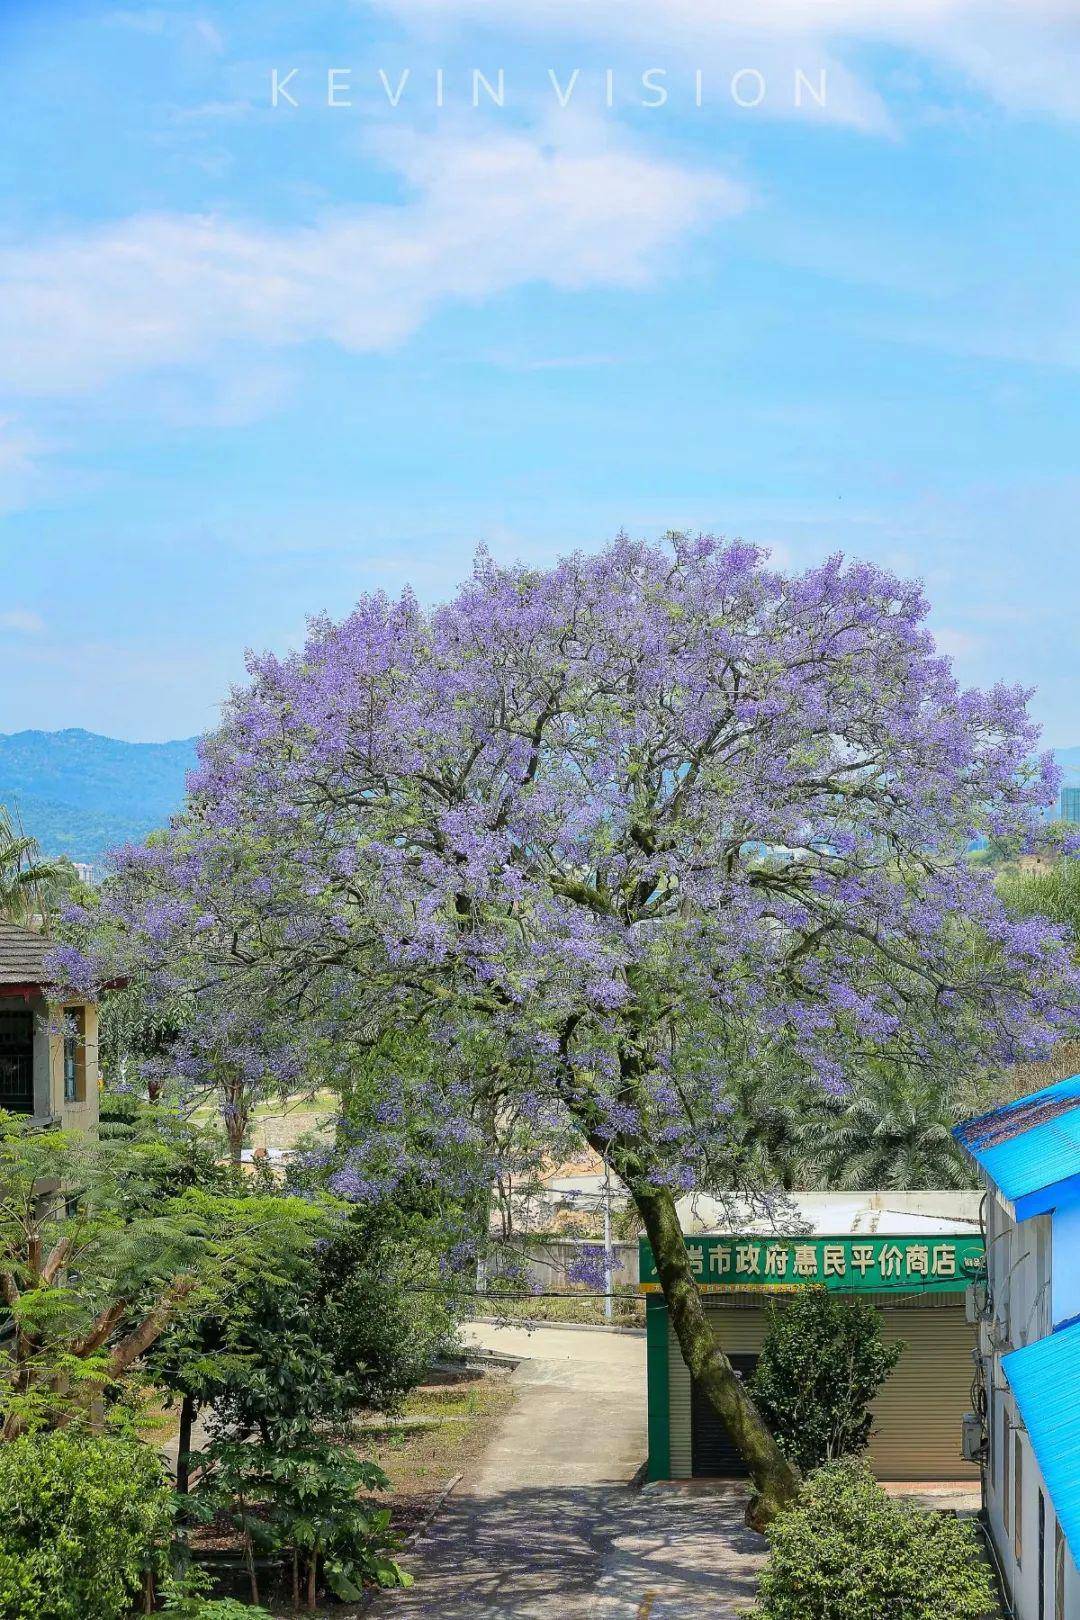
[
  {"x": 1030, "y": 1149},
  {"x": 1045, "y": 1378}
]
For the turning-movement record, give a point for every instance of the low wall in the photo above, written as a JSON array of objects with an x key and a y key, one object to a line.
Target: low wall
[{"x": 548, "y": 1261}]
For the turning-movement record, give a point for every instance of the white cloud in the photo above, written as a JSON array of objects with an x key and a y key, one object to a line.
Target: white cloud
[
  {"x": 20, "y": 464},
  {"x": 956, "y": 643},
  {"x": 482, "y": 217},
  {"x": 1026, "y": 55},
  {"x": 22, "y": 620}
]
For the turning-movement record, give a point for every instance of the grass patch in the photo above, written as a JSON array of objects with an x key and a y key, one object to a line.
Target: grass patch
[
  {"x": 629, "y": 1310},
  {"x": 421, "y": 1462}
]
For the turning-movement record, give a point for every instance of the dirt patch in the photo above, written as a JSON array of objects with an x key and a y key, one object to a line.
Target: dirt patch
[{"x": 421, "y": 1462}]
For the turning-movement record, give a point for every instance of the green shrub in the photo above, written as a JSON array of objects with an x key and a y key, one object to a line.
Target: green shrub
[
  {"x": 82, "y": 1520},
  {"x": 822, "y": 1363},
  {"x": 847, "y": 1551}
]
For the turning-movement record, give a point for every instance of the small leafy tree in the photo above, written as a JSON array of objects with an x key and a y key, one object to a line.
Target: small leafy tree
[
  {"x": 847, "y": 1551},
  {"x": 85, "y": 1524},
  {"x": 136, "y": 1235},
  {"x": 822, "y": 1363},
  {"x": 300, "y": 1501}
]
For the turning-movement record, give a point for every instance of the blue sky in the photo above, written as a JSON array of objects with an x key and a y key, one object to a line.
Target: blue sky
[{"x": 255, "y": 360}]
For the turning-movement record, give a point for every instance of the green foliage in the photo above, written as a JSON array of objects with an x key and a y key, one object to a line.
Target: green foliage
[
  {"x": 186, "y": 1597},
  {"x": 83, "y": 1521},
  {"x": 30, "y": 886},
  {"x": 146, "y": 1233},
  {"x": 846, "y": 1551},
  {"x": 309, "y": 1334},
  {"x": 1053, "y": 892},
  {"x": 382, "y": 1310},
  {"x": 301, "y": 1502},
  {"x": 822, "y": 1363},
  {"x": 203, "y": 1608},
  {"x": 894, "y": 1130}
]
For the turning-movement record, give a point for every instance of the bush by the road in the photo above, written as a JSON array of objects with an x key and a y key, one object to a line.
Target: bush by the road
[
  {"x": 822, "y": 1364},
  {"x": 83, "y": 1520},
  {"x": 847, "y": 1551}
]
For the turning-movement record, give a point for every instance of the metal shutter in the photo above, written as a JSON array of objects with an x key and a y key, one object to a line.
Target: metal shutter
[
  {"x": 917, "y": 1416},
  {"x": 740, "y": 1328}
]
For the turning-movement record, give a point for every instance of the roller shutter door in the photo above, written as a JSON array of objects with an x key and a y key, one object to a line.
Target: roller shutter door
[
  {"x": 917, "y": 1416},
  {"x": 712, "y": 1450}
]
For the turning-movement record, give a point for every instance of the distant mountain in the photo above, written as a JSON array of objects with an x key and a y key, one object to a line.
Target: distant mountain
[{"x": 79, "y": 794}]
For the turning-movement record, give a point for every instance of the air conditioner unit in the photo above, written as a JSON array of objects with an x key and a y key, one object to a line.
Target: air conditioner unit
[{"x": 973, "y": 1439}]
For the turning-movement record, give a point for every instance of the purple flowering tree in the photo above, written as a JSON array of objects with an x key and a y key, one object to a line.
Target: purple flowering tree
[{"x": 594, "y": 820}]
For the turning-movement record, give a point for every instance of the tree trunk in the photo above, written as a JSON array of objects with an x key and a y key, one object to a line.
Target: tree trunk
[
  {"x": 236, "y": 1130},
  {"x": 183, "y": 1453},
  {"x": 776, "y": 1480}
]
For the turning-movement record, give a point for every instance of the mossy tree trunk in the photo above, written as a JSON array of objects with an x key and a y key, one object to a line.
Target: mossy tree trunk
[{"x": 776, "y": 1480}]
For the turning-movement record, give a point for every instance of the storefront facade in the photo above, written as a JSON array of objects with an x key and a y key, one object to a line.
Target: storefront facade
[{"x": 917, "y": 1279}]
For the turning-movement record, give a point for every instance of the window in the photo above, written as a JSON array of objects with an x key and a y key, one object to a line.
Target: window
[
  {"x": 1059, "y": 1573},
  {"x": 74, "y": 1054},
  {"x": 1042, "y": 1556},
  {"x": 17, "y": 1062},
  {"x": 1018, "y": 1495},
  {"x": 1006, "y": 1444}
]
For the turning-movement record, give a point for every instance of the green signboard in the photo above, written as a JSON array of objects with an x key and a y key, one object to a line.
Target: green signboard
[{"x": 849, "y": 1264}]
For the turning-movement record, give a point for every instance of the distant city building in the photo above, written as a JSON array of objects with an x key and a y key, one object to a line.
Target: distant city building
[
  {"x": 86, "y": 873},
  {"x": 1070, "y": 804}
]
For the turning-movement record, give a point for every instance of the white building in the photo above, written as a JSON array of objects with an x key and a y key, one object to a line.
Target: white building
[{"x": 1028, "y": 1354}]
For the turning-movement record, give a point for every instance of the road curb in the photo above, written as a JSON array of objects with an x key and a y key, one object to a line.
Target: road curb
[{"x": 531, "y": 1324}]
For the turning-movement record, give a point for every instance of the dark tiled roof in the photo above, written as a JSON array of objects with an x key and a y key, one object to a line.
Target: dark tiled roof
[{"x": 22, "y": 955}]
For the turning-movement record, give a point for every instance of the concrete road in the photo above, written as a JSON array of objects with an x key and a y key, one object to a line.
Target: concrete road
[{"x": 548, "y": 1528}]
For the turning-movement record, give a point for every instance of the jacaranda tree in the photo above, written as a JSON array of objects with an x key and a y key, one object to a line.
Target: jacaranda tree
[{"x": 590, "y": 820}]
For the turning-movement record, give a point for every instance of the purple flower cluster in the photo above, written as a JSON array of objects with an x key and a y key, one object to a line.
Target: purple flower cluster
[{"x": 638, "y": 818}]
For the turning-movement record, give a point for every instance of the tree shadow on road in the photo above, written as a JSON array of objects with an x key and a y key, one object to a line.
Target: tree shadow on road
[{"x": 563, "y": 1552}]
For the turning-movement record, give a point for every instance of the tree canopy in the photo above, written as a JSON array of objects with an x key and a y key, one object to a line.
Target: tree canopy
[{"x": 579, "y": 826}]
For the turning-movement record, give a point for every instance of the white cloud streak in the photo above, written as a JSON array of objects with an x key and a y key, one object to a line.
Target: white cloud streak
[
  {"x": 23, "y": 621},
  {"x": 1025, "y": 55},
  {"x": 482, "y": 217}
]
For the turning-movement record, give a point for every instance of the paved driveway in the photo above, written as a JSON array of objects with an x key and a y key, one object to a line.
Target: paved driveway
[{"x": 547, "y": 1527}]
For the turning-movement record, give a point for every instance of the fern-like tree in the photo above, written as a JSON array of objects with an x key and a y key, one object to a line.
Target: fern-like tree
[
  {"x": 137, "y": 1234},
  {"x": 31, "y": 888},
  {"x": 893, "y": 1131}
]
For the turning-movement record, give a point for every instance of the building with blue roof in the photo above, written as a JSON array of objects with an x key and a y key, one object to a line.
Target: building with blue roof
[{"x": 1026, "y": 1430}]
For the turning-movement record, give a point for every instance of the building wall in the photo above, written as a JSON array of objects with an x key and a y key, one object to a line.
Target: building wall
[
  {"x": 1022, "y": 1570},
  {"x": 1032, "y": 1286},
  {"x": 917, "y": 1416},
  {"x": 1065, "y": 1264},
  {"x": 547, "y": 1260},
  {"x": 1019, "y": 1261},
  {"x": 83, "y": 1114}
]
